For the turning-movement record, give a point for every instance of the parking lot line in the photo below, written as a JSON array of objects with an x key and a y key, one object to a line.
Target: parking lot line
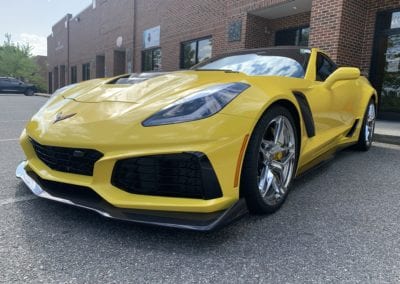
[
  {"x": 6, "y": 140},
  {"x": 17, "y": 199}
]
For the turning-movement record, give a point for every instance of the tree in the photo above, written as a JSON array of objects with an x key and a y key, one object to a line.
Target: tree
[{"x": 16, "y": 61}]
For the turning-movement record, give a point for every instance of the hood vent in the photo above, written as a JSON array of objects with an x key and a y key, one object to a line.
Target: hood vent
[{"x": 135, "y": 78}]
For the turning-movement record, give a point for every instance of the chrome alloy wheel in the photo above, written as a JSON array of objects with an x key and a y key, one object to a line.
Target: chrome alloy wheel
[
  {"x": 276, "y": 160},
  {"x": 370, "y": 123}
]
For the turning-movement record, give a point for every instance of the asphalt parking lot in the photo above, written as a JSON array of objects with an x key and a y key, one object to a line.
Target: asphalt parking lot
[{"x": 341, "y": 223}]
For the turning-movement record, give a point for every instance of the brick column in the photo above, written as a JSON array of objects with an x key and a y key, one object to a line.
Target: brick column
[
  {"x": 338, "y": 27},
  {"x": 325, "y": 25}
]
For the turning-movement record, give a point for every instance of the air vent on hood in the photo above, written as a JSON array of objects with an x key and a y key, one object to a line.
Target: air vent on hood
[{"x": 134, "y": 78}]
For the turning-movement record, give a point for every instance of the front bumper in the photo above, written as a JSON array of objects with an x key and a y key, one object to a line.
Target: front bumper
[{"x": 180, "y": 220}]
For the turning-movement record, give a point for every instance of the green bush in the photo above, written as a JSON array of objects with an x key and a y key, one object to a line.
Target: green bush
[{"x": 16, "y": 61}]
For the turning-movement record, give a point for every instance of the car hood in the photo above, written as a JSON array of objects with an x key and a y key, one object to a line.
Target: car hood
[
  {"x": 77, "y": 113},
  {"x": 148, "y": 88}
]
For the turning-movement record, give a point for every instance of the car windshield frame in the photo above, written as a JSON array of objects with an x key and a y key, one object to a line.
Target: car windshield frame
[{"x": 301, "y": 56}]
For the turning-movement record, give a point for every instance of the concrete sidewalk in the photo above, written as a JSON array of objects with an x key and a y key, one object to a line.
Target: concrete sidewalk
[
  {"x": 387, "y": 132},
  {"x": 43, "y": 95}
]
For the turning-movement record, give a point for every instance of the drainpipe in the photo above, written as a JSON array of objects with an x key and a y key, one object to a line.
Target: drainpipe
[
  {"x": 68, "y": 81},
  {"x": 134, "y": 37}
]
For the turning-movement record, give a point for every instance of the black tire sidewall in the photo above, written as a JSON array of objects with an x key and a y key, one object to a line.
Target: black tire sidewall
[
  {"x": 362, "y": 144},
  {"x": 29, "y": 92}
]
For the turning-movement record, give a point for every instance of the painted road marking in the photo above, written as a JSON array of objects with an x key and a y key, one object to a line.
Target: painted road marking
[{"x": 6, "y": 140}]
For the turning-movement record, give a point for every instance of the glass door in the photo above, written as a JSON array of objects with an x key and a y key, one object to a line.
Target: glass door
[
  {"x": 385, "y": 65},
  {"x": 390, "y": 93}
]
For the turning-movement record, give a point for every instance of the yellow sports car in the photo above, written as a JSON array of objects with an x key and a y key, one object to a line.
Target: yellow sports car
[{"x": 197, "y": 149}]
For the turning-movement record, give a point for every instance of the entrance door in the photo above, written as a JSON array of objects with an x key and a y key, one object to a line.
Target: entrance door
[
  {"x": 119, "y": 62},
  {"x": 100, "y": 66},
  {"x": 390, "y": 94},
  {"x": 385, "y": 67}
]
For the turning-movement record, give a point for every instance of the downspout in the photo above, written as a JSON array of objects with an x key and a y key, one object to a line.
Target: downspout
[
  {"x": 134, "y": 38},
  {"x": 68, "y": 79}
]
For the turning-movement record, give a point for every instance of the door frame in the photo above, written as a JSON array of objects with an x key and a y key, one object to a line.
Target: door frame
[{"x": 382, "y": 31}]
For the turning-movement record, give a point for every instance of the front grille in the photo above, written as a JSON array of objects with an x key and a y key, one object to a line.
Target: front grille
[
  {"x": 176, "y": 175},
  {"x": 66, "y": 190},
  {"x": 68, "y": 160}
]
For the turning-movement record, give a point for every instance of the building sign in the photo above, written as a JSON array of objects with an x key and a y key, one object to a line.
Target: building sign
[{"x": 151, "y": 37}]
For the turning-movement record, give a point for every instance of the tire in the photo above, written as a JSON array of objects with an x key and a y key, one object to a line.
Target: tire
[
  {"x": 29, "y": 92},
  {"x": 367, "y": 128},
  {"x": 270, "y": 162}
]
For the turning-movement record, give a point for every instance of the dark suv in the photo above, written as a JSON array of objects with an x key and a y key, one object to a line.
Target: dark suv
[{"x": 10, "y": 85}]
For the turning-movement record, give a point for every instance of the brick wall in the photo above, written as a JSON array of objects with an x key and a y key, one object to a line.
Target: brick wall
[
  {"x": 260, "y": 32},
  {"x": 325, "y": 25},
  {"x": 95, "y": 32},
  {"x": 57, "y": 49},
  {"x": 343, "y": 28},
  {"x": 180, "y": 21}
]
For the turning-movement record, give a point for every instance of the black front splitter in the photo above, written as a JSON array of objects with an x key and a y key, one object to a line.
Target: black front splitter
[{"x": 93, "y": 202}]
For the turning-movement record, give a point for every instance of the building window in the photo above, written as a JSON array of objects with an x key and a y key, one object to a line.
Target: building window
[
  {"x": 85, "y": 71},
  {"x": 195, "y": 51},
  {"x": 74, "y": 75},
  {"x": 151, "y": 60},
  {"x": 295, "y": 36}
]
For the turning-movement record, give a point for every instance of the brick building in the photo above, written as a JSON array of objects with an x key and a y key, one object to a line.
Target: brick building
[{"x": 121, "y": 36}]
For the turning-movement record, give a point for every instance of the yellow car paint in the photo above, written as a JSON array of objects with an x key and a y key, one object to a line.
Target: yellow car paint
[{"x": 109, "y": 119}]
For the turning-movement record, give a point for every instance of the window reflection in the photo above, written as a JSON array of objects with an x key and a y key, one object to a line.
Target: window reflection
[
  {"x": 195, "y": 51},
  {"x": 259, "y": 65},
  {"x": 395, "y": 24}
]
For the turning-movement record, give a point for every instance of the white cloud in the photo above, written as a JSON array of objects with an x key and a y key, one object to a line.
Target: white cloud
[{"x": 38, "y": 43}]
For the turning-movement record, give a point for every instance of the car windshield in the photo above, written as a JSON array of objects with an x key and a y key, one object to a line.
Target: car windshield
[{"x": 260, "y": 64}]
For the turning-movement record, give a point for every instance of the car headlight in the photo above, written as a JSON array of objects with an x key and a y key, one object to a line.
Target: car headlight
[{"x": 199, "y": 105}]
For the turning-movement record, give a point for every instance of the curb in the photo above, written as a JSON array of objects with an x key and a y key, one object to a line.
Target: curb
[
  {"x": 42, "y": 95},
  {"x": 388, "y": 139}
]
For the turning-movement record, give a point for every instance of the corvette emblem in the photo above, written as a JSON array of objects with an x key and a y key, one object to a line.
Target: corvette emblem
[{"x": 60, "y": 117}]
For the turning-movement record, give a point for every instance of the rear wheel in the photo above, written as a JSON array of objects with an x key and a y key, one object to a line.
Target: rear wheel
[
  {"x": 367, "y": 129},
  {"x": 29, "y": 92},
  {"x": 270, "y": 162}
]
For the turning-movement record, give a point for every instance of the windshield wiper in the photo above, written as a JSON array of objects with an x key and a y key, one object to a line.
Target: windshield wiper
[{"x": 220, "y": 70}]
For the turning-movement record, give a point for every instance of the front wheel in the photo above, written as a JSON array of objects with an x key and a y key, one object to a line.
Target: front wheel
[
  {"x": 270, "y": 162},
  {"x": 368, "y": 127}
]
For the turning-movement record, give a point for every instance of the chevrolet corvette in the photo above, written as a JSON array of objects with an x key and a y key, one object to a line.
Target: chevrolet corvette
[{"x": 199, "y": 148}]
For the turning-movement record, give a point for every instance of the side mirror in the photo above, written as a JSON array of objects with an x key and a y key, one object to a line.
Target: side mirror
[{"x": 342, "y": 74}]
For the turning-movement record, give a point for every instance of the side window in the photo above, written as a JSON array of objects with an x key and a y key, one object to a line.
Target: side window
[
  {"x": 14, "y": 82},
  {"x": 325, "y": 67}
]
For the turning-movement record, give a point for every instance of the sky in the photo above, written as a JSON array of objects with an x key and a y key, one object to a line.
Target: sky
[{"x": 30, "y": 21}]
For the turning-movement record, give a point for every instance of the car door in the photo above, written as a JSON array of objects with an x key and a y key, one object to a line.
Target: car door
[
  {"x": 6, "y": 85},
  {"x": 16, "y": 86},
  {"x": 331, "y": 108},
  {"x": 342, "y": 94},
  {"x": 2, "y": 85}
]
